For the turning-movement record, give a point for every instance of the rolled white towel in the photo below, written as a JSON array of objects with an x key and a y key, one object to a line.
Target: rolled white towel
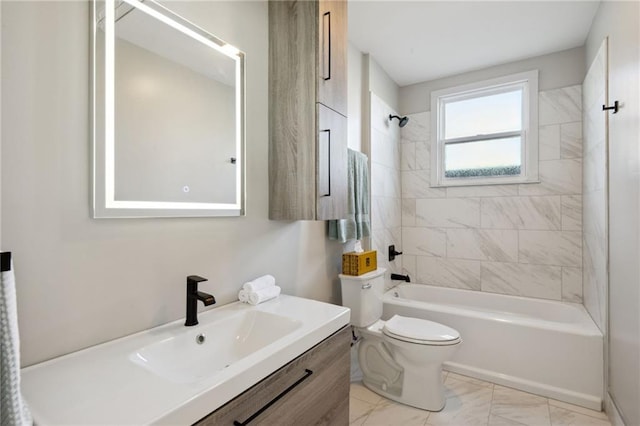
[
  {"x": 243, "y": 296},
  {"x": 260, "y": 283},
  {"x": 257, "y": 297}
]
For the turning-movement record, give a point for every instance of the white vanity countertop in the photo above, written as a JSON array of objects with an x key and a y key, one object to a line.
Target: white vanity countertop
[{"x": 101, "y": 385}]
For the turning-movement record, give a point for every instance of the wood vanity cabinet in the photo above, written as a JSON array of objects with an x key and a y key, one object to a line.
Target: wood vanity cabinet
[
  {"x": 307, "y": 110},
  {"x": 312, "y": 389}
]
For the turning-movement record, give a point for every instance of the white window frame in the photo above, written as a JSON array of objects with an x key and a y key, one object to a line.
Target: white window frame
[{"x": 528, "y": 81}]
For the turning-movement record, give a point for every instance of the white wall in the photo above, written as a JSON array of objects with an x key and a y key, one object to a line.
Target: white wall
[
  {"x": 619, "y": 20},
  {"x": 365, "y": 75},
  {"x": 355, "y": 97},
  {"x": 82, "y": 281},
  {"x": 382, "y": 85},
  {"x": 556, "y": 70},
  {"x": 370, "y": 88}
]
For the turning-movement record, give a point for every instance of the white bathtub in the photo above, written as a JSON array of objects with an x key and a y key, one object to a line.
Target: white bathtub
[{"x": 540, "y": 346}]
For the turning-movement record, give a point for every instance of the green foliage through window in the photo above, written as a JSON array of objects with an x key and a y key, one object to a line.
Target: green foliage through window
[{"x": 485, "y": 171}]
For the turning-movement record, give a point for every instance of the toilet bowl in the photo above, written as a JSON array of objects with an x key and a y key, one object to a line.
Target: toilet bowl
[{"x": 401, "y": 358}]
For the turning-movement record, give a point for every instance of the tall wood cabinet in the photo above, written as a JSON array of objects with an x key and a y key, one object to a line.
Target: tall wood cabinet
[{"x": 307, "y": 110}]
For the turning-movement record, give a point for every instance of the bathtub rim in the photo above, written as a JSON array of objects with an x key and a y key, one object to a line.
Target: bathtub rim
[{"x": 585, "y": 327}]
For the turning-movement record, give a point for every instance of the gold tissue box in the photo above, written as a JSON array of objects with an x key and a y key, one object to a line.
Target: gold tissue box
[{"x": 359, "y": 263}]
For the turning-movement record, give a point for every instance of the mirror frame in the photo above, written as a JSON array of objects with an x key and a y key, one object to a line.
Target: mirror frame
[{"x": 104, "y": 204}]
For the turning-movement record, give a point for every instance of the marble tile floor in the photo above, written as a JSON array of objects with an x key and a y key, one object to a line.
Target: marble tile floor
[{"x": 471, "y": 402}]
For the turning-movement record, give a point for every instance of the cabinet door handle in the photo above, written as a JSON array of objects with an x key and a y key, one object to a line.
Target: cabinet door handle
[
  {"x": 307, "y": 373},
  {"x": 326, "y": 46},
  {"x": 324, "y": 159}
]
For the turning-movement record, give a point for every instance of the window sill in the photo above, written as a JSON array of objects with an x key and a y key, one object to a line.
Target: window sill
[{"x": 486, "y": 182}]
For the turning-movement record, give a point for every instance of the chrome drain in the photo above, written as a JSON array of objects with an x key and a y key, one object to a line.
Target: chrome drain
[{"x": 200, "y": 338}]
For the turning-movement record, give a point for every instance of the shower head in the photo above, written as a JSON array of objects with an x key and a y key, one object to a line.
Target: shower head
[{"x": 402, "y": 120}]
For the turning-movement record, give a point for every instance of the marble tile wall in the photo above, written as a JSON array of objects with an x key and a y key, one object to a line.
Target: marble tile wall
[
  {"x": 384, "y": 158},
  {"x": 523, "y": 240},
  {"x": 595, "y": 198}
]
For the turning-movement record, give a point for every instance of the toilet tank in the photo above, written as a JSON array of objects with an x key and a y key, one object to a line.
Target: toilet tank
[{"x": 363, "y": 295}]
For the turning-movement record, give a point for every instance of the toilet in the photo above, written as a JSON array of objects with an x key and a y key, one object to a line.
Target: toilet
[{"x": 401, "y": 358}]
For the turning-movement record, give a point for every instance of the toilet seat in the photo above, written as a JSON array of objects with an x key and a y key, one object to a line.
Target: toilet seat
[{"x": 420, "y": 331}]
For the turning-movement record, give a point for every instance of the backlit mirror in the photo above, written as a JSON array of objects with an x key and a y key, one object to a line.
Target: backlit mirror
[{"x": 168, "y": 115}]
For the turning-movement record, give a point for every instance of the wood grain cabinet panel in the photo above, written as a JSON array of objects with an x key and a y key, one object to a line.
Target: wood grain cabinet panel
[
  {"x": 313, "y": 389},
  {"x": 307, "y": 71},
  {"x": 332, "y": 55},
  {"x": 332, "y": 164}
]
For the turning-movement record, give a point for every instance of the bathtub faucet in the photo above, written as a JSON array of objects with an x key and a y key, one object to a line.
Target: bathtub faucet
[
  {"x": 401, "y": 277},
  {"x": 393, "y": 253}
]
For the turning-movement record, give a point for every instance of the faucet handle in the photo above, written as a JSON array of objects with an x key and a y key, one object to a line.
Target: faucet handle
[
  {"x": 195, "y": 279},
  {"x": 393, "y": 253}
]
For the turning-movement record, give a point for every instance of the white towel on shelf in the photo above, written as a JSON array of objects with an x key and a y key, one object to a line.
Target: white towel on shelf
[
  {"x": 260, "y": 283},
  {"x": 13, "y": 408},
  {"x": 268, "y": 293},
  {"x": 243, "y": 296}
]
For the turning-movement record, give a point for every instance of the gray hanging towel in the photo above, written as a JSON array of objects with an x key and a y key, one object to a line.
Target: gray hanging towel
[{"x": 357, "y": 224}]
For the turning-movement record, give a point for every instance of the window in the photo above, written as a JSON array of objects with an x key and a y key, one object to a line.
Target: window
[{"x": 486, "y": 133}]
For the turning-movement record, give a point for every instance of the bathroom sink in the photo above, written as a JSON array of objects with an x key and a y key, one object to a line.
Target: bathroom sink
[
  {"x": 201, "y": 351},
  {"x": 162, "y": 376}
]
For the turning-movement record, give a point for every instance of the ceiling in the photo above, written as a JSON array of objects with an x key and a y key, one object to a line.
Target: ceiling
[{"x": 416, "y": 41}]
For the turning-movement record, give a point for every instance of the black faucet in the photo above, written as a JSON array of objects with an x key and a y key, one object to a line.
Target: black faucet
[
  {"x": 193, "y": 295},
  {"x": 401, "y": 277}
]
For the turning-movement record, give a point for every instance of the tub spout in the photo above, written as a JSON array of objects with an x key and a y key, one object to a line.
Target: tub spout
[{"x": 401, "y": 277}]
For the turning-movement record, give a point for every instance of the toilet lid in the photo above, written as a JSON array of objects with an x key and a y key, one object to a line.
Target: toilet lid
[{"x": 417, "y": 330}]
